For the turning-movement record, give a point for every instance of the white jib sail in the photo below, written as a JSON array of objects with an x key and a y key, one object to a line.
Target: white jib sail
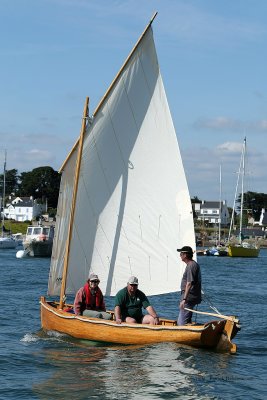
[{"x": 133, "y": 207}]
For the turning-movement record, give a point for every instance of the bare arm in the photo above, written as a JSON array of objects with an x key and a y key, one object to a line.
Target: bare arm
[
  {"x": 117, "y": 313},
  {"x": 151, "y": 311}
]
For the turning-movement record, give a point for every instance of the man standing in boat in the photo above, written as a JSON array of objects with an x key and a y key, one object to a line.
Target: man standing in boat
[
  {"x": 190, "y": 286},
  {"x": 89, "y": 300},
  {"x": 129, "y": 302}
]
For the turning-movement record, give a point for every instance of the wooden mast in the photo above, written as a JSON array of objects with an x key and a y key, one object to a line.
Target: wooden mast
[{"x": 73, "y": 204}]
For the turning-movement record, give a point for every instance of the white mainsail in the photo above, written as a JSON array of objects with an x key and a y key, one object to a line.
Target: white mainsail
[{"x": 133, "y": 207}]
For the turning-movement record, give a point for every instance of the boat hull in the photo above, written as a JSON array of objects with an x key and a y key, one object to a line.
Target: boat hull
[
  {"x": 36, "y": 248},
  {"x": 6, "y": 243},
  {"x": 214, "y": 334},
  {"x": 239, "y": 251}
]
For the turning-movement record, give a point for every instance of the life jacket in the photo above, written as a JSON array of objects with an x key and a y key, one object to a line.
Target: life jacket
[{"x": 93, "y": 302}]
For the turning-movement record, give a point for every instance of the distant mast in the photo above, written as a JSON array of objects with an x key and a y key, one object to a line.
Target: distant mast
[
  {"x": 220, "y": 206},
  {"x": 4, "y": 195},
  {"x": 242, "y": 190},
  {"x": 241, "y": 172}
]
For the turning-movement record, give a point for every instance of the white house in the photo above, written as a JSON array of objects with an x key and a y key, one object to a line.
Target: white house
[
  {"x": 23, "y": 209},
  {"x": 212, "y": 212}
]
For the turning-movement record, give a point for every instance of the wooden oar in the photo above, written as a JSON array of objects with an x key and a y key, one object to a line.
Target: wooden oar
[{"x": 233, "y": 319}]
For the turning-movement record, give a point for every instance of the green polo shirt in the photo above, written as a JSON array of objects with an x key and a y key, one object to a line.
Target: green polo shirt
[{"x": 131, "y": 306}]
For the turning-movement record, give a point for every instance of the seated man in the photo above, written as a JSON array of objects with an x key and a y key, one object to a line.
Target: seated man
[
  {"x": 89, "y": 300},
  {"x": 129, "y": 302}
]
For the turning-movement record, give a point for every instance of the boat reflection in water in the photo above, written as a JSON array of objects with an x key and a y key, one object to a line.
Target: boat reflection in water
[{"x": 126, "y": 371}]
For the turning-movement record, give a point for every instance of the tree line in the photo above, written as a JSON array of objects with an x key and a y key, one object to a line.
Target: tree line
[
  {"x": 42, "y": 183},
  {"x": 253, "y": 203}
]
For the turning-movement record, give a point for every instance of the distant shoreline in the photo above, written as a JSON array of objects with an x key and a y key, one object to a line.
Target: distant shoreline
[{"x": 209, "y": 243}]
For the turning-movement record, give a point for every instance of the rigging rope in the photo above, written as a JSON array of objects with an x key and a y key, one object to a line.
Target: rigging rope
[{"x": 207, "y": 300}]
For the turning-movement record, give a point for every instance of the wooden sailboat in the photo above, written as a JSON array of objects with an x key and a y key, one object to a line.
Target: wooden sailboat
[
  {"x": 123, "y": 207},
  {"x": 242, "y": 248}
]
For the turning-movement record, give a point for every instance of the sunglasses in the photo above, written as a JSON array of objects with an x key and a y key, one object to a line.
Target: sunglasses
[
  {"x": 94, "y": 281},
  {"x": 133, "y": 284}
]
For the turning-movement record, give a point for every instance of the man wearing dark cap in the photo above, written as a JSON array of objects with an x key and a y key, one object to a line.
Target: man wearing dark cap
[{"x": 190, "y": 286}]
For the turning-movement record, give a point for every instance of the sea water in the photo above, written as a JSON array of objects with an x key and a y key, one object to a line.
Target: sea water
[{"x": 35, "y": 365}]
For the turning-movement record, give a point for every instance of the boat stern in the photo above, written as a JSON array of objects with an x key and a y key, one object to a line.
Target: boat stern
[{"x": 230, "y": 330}]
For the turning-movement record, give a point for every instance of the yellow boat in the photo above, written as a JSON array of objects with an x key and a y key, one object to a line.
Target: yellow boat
[
  {"x": 242, "y": 248},
  {"x": 243, "y": 251}
]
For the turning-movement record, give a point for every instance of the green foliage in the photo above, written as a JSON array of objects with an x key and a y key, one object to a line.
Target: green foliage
[
  {"x": 11, "y": 181},
  {"x": 17, "y": 227},
  {"x": 42, "y": 183},
  {"x": 253, "y": 203},
  {"x": 52, "y": 212}
]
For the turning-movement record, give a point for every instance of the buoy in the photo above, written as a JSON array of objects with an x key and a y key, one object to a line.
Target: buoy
[{"x": 21, "y": 254}]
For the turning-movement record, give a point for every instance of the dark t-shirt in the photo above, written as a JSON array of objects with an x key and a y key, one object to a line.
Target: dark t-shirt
[
  {"x": 131, "y": 306},
  {"x": 192, "y": 274}
]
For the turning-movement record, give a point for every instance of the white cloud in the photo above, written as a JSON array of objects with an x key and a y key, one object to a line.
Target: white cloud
[
  {"x": 217, "y": 123},
  {"x": 262, "y": 125},
  {"x": 230, "y": 147},
  {"x": 230, "y": 125}
]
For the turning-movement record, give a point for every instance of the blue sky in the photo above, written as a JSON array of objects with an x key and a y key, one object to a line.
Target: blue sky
[{"x": 213, "y": 59}]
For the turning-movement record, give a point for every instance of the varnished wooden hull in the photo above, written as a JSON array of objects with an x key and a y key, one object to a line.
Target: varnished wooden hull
[
  {"x": 239, "y": 251},
  {"x": 215, "y": 334}
]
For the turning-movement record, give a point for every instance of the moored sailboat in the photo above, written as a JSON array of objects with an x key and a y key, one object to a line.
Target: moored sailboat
[
  {"x": 6, "y": 240},
  {"x": 123, "y": 207},
  {"x": 242, "y": 248}
]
